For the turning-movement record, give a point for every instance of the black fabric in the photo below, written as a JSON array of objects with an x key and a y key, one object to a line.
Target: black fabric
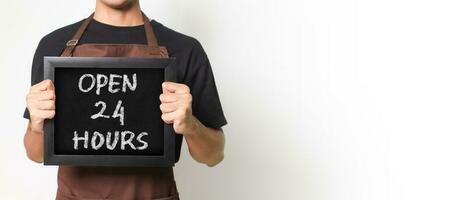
[{"x": 192, "y": 65}]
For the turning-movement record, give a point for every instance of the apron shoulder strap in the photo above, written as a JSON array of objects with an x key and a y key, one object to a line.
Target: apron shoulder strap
[
  {"x": 150, "y": 36},
  {"x": 152, "y": 43},
  {"x": 71, "y": 44}
]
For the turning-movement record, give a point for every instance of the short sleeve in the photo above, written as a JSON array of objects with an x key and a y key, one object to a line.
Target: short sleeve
[
  {"x": 26, "y": 114},
  {"x": 37, "y": 70},
  {"x": 200, "y": 79}
]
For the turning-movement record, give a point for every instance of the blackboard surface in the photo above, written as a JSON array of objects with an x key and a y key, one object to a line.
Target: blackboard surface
[
  {"x": 74, "y": 109},
  {"x": 107, "y": 112}
]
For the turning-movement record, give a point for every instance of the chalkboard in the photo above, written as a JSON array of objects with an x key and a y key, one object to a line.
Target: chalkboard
[{"x": 107, "y": 112}]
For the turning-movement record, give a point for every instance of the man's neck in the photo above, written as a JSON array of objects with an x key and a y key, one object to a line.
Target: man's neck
[{"x": 128, "y": 16}]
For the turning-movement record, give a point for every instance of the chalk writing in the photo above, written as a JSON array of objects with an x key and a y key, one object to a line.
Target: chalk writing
[
  {"x": 111, "y": 140},
  {"x": 126, "y": 139},
  {"x": 100, "y": 81}
]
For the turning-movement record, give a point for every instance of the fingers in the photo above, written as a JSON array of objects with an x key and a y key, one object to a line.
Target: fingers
[
  {"x": 41, "y": 109},
  {"x": 175, "y": 111},
  {"x": 168, "y": 97},
  {"x": 43, "y": 86},
  {"x": 169, "y": 118},
  {"x": 171, "y": 97},
  {"x": 45, "y": 114},
  {"x": 45, "y": 105},
  {"x": 48, "y": 114},
  {"x": 175, "y": 103},
  {"x": 42, "y": 114},
  {"x": 175, "y": 88},
  {"x": 49, "y": 85},
  {"x": 41, "y": 96},
  {"x": 168, "y": 107},
  {"x": 41, "y": 101}
]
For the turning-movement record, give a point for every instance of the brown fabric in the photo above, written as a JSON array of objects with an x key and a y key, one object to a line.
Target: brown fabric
[
  {"x": 150, "y": 35},
  {"x": 116, "y": 183},
  {"x": 119, "y": 50},
  {"x": 152, "y": 48},
  {"x": 71, "y": 44}
]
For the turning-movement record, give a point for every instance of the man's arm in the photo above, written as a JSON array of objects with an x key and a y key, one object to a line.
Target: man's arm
[
  {"x": 34, "y": 144},
  {"x": 205, "y": 144},
  {"x": 41, "y": 105}
]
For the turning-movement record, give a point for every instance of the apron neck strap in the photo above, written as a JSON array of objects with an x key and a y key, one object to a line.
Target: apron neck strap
[{"x": 150, "y": 36}]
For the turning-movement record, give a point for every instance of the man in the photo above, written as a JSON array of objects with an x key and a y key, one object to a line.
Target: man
[{"x": 192, "y": 106}]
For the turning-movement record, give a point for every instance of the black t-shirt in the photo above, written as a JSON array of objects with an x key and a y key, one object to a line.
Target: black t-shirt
[{"x": 192, "y": 65}]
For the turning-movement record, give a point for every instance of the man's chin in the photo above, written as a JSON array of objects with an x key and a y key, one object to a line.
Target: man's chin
[{"x": 119, "y": 5}]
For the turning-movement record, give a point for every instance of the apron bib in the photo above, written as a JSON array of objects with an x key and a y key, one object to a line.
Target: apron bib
[{"x": 116, "y": 183}]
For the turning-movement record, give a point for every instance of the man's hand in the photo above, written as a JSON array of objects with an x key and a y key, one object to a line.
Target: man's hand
[
  {"x": 41, "y": 104},
  {"x": 176, "y": 107},
  {"x": 205, "y": 144}
]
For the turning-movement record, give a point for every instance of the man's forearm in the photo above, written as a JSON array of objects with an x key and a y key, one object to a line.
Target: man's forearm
[
  {"x": 205, "y": 144},
  {"x": 34, "y": 144}
]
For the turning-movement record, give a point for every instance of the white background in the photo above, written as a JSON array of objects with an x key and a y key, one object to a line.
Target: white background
[{"x": 325, "y": 99}]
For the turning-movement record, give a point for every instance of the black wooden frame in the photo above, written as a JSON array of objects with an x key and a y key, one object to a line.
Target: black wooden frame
[{"x": 50, "y": 158}]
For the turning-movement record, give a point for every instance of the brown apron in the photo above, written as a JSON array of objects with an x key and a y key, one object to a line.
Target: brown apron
[{"x": 117, "y": 183}]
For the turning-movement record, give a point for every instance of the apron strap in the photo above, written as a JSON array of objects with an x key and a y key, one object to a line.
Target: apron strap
[
  {"x": 150, "y": 37},
  {"x": 71, "y": 44}
]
